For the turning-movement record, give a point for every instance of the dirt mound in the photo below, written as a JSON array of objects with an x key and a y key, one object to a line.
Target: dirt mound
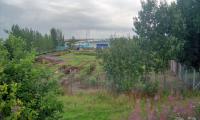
[
  {"x": 69, "y": 69},
  {"x": 48, "y": 59}
]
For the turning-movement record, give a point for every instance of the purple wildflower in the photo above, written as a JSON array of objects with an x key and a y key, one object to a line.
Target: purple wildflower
[{"x": 137, "y": 112}]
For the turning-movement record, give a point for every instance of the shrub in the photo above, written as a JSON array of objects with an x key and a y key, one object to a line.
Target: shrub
[
  {"x": 92, "y": 81},
  {"x": 146, "y": 88},
  {"x": 24, "y": 87},
  {"x": 122, "y": 63},
  {"x": 151, "y": 88},
  {"x": 90, "y": 68}
]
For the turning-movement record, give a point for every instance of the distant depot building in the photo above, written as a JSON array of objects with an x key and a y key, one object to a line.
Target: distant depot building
[{"x": 91, "y": 43}]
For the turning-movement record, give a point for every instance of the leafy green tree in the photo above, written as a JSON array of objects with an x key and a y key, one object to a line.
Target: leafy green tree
[
  {"x": 54, "y": 37},
  {"x": 57, "y": 37},
  {"x": 154, "y": 27},
  {"x": 190, "y": 14},
  {"x": 15, "y": 47},
  {"x": 26, "y": 34},
  {"x": 144, "y": 26},
  {"x": 34, "y": 40},
  {"x": 123, "y": 64}
]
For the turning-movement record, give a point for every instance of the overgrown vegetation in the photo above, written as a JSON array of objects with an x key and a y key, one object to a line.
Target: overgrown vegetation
[
  {"x": 164, "y": 32},
  {"x": 169, "y": 108},
  {"x": 29, "y": 90},
  {"x": 26, "y": 91}
]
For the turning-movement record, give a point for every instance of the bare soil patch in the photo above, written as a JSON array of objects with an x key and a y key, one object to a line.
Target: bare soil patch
[{"x": 49, "y": 59}]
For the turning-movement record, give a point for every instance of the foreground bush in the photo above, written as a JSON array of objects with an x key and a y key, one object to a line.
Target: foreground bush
[{"x": 26, "y": 91}]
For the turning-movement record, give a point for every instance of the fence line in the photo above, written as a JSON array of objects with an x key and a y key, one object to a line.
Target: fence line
[{"x": 188, "y": 75}]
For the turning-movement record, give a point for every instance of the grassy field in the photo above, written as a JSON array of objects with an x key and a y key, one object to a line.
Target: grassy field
[
  {"x": 90, "y": 103},
  {"x": 78, "y": 58},
  {"x": 89, "y": 100},
  {"x": 96, "y": 106}
]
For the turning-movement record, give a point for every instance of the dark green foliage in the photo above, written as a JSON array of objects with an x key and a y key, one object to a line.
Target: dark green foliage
[
  {"x": 54, "y": 36},
  {"x": 57, "y": 37},
  {"x": 158, "y": 23},
  {"x": 191, "y": 16},
  {"x": 27, "y": 91},
  {"x": 154, "y": 27},
  {"x": 151, "y": 88},
  {"x": 34, "y": 40}
]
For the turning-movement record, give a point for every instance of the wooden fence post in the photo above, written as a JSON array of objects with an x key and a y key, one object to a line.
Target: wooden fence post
[
  {"x": 180, "y": 72},
  {"x": 185, "y": 79},
  {"x": 194, "y": 78}
]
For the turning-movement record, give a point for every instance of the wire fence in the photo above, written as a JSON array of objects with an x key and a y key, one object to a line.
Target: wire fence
[{"x": 188, "y": 75}]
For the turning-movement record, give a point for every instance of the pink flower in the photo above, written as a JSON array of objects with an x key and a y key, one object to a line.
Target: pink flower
[
  {"x": 137, "y": 112},
  {"x": 175, "y": 109},
  {"x": 190, "y": 109},
  {"x": 164, "y": 113},
  {"x": 152, "y": 115},
  {"x": 181, "y": 110},
  {"x": 171, "y": 98},
  {"x": 156, "y": 98}
]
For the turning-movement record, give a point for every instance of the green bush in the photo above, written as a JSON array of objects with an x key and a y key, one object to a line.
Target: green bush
[
  {"x": 90, "y": 68},
  {"x": 26, "y": 91},
  {"x": 122, "y": 63},
  {"x": 151, "y": 88},
  {"x": 92, "y": 81}
]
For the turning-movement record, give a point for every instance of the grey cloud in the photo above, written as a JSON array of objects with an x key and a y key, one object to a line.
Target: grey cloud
[{"x": 99, "y": 18}]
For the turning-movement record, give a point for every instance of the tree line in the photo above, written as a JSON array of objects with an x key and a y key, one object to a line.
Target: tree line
[{"x": 36, "y": 40}]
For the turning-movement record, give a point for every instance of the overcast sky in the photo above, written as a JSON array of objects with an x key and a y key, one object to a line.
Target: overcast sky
[{"x": 79, "y": 18}]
